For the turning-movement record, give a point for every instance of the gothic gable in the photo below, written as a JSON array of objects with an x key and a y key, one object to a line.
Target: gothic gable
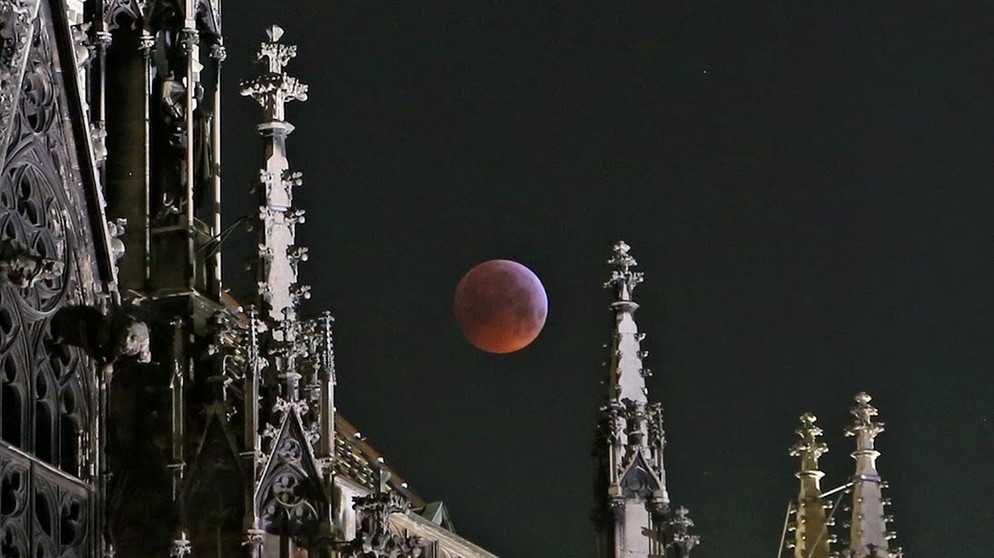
[
  {"x": 289, "y": 495},
  {"x": 639, "y": 480}
]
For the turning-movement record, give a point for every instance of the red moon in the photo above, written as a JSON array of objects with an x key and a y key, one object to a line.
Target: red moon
[{"x": 500, "y": 306}]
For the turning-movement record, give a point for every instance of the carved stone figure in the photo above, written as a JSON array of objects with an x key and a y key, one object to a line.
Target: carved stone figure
[
  {"x": 108, "y": 337},
  {"x": 132, "y": 342},
  {"x": 115, "y": 230},
  {"x": 374, "y": 539},
  {"x": 82, "y": 46},
  {"x": 22, "y": 267}
]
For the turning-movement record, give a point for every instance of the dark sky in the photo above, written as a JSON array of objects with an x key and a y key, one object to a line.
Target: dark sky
[{"x": 807, "y": 185}]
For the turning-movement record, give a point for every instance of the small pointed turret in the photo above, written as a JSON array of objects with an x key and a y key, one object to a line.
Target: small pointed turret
[
  {"x": 638, "y": 424},
  {"x": 869, "y": 537},
  {"x": 627, "y": 373},
  {"x": 811, "y": 535},
  {"x": 634, "y": 511}
]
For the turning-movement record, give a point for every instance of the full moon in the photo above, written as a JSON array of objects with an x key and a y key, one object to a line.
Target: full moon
[{"x": 500, "y": 306}]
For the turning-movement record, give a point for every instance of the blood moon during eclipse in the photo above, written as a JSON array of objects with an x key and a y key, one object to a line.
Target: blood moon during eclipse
[{"x": 500, "y": 306}]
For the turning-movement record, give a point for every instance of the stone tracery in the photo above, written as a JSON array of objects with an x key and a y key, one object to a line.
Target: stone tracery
[{"x": 47, "y": 385}]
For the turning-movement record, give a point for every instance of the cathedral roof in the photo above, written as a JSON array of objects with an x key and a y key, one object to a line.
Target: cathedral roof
[{"x": 359, "y": 461}]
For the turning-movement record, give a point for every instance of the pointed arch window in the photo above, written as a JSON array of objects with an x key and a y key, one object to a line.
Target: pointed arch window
[{"x": 46, "y": 386}]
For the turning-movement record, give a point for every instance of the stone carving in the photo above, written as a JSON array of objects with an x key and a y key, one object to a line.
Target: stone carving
[
  {"x": 180, "y": 547},
  {"x": 809, "y": 448},
  {"x": 117, "y": 12},
  {"x": 107, "y": 338},
  {"x": 17, "y": 18},
  {"x": 254, "y": 538},
  {"x": 283, "y": 405},
  {"x": 614, "y": 422},
  {"x": 623, "y": 279},
  {"x": 81, "y": 44},
  {"x": 635, "y": 417},
  {"x": 374, "y": 538},
  {"x": 678, "y": 530},
  {"x": 639, "y": 480},
  {"x": 218, "y": 53},
  {"x": 863, "y": 420},
  {"x": 115, "y": 230},
  {"x": 289, "y": 494},
  {"x": 22, "y": 267},
  {"x": 657, "y": 435},
  {"x": 98, "y": 136},
  {"x": 132, "y": 342}
]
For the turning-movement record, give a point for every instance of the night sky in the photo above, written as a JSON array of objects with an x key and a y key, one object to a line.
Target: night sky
[{"x": 806, "y": 185}]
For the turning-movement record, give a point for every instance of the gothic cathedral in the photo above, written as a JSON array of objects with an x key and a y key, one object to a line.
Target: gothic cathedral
[{"x": 145, "y": 413}]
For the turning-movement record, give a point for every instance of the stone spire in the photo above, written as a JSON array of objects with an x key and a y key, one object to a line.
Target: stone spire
[
  {"x": 869, "y": 537},
  {"x": 811, "y": 535},
  {"x": 627, "y": 374},
  {"x": 290, "y": 437},
  {"x": 279, "y": 292},
  {"x": 634, "y": 519}
]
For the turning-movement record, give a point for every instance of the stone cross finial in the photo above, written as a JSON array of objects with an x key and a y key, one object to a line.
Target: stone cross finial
[
  {"x": 808, "y": 447},
  {"x": 621, "y": 257},
  {"x": 679, "y": 526},
  {"x": 863, "y": 420},
  {"x": 278, "y": 54},
  {"x": 180, "y": 547},
  {"x": 275, "y": 88},
  {"x": 623, "y": 279}
]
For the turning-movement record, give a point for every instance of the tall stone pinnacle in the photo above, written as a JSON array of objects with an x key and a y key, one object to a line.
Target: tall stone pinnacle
[
  {"x": 868, "y": 537},
  {"x": 811, "y": 537},
  {"x": 627, "y": 372},
  {"x": 279, "y": 292},
  {"x": 635, "y": 520}
]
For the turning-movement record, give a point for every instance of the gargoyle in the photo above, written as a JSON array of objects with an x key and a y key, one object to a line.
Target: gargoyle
[
  {"x": 133, "y": 340},
  {"x": 21, "y": 266},
  {"x": 107, "y": 338}
]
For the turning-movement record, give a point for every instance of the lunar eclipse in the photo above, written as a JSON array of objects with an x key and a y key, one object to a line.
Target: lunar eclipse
[{"x": 500, "y": 306}]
